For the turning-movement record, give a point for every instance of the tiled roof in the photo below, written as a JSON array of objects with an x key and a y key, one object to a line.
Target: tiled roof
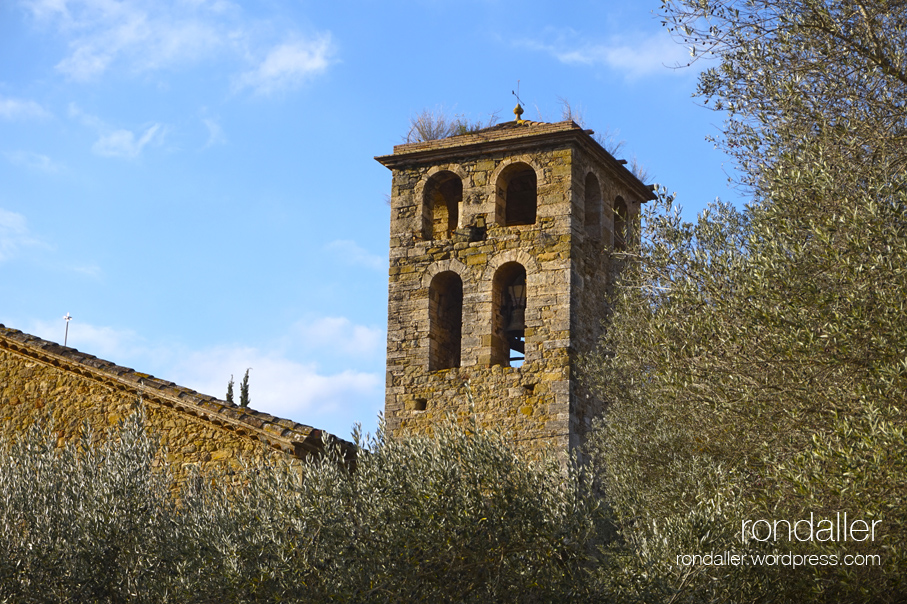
[
  {"x": 510, "y": 126},
  {"x": 286, "y": 435},
  {"x": 498, "y": 132},
  {"x": 507, "y": 137}
]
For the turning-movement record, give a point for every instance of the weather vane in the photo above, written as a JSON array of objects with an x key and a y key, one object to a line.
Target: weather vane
[
  {"x": 66, "y": 318},
  {"x": 517, "y": 93},
  {"x": 518, "y": 110}
]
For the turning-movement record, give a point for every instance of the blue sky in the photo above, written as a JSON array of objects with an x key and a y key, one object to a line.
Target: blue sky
[{"x": 194, "y": 180}]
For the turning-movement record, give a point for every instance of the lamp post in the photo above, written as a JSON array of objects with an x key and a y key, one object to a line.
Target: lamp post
[{"x": 66, "y": 318}]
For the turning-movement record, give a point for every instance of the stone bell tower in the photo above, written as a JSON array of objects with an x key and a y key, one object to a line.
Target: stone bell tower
[{"x": 500, "y": 256}]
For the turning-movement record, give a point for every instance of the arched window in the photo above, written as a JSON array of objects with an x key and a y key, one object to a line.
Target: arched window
[
  {"x": 441, "y": 205},
  {"x": 509, "y": 314},
  {"x": 592, "y": 220},
  {"x": 517, "y": 195},
  {"x": 445, "y": 315},
  {"x": 621, "y": 232}
]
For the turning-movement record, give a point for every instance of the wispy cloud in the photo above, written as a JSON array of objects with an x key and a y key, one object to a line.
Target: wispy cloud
[
  {"x": 215, "y": 133},
  {"x": 14, "y": 234},
  {"x": 86, "y": 119},
  {"x": 125, "y": 143},
  {"x": 140, "y": 36},
  {"x": 635, "y": 56},
  {"x": 350, "y": 253},
  {"x": 46, "y": 9},
  {"x": 12, "y": 109},
  {"x": 283, "y": 387},
  {"x": 89, "y": 270},
  {"x": 339, "y": 335},
  {"x": 288, "y": 65},
  {"x": 33, "y": 161},
  {"x": 118, "y": 142}
]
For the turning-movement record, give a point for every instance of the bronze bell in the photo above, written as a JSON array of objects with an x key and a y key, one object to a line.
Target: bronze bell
[
  {"x": 517, "y": 321},
  {"x": 515, "y": 310}
]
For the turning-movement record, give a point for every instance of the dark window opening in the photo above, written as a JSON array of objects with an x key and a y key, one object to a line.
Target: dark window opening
[
  {"x": 509, "y": 299},
  {"x": 592, "y": 216},
  {"x": 441, "y": 207},
  {"x": 445, "y": 312},
  {"x": 621, "y": 234},
  {"x": 419, "y": 404},
  {"x": 517, "y": 195}
]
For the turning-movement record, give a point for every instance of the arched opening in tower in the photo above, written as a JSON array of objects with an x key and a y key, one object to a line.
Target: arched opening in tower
[
  {"x": 621, "y": 232},
  {"x": 441, "y": 205},
  {"x": 517, "y": 195},
  {"x": 445, "y": 315},
  {"x": 592, "y": 216},
  {"x": 509, "y": 330}
]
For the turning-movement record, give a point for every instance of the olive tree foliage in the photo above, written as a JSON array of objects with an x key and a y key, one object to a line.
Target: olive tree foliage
[
  {"x": 755, "y": 358},
  {"x": 792, "y": 69},
  {"x": 756, "y": 369},
  {"x": 75, "y": 523},
  {"x": 457, "y": 517}
]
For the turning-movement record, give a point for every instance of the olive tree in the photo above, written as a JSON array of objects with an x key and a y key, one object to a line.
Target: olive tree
[
  {"x": 788, "y": 70},
  {"x": 755, "y": 357},
  {"x": 455, "y": 517}
]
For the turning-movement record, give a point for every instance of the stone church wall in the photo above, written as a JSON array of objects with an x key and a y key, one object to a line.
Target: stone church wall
[{"x": 62, "y": 388}]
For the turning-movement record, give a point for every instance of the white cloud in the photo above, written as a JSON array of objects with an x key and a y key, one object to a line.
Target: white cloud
[
  {"x": 46, "y": 9},
  {"x": 635, "y": 56},
  {"x": 288, "y": 65},
  {"x": 277, "y": 385},
  {"x": 341, "y": 336},
  {"x": 14, "y": 234},
  {"x": 33, "y": 161},
  {"x": 215, "y": 133},
  {"x": 176, "y": 43},
  {"x": 89, "y": 270},
  {"x": 142, "y": 36},
  {"x": 350, "y": 253},
  {"x": 85, "y": 62},
  {"x": 124, "y": 143},
  {"x": 16, "y": 108},
  {"x": 76, "y": 112},
  {"x": 118, "y": 142}
]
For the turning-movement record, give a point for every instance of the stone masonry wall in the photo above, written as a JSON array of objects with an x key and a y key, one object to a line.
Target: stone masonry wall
[
  {"x": 44, "y": 382},
  {"x": 593, "y": 269},
  {"x": 540, "y": 404}
]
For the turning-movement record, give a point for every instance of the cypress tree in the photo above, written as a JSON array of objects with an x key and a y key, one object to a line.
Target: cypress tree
[{"x": 244, "y": 390}]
